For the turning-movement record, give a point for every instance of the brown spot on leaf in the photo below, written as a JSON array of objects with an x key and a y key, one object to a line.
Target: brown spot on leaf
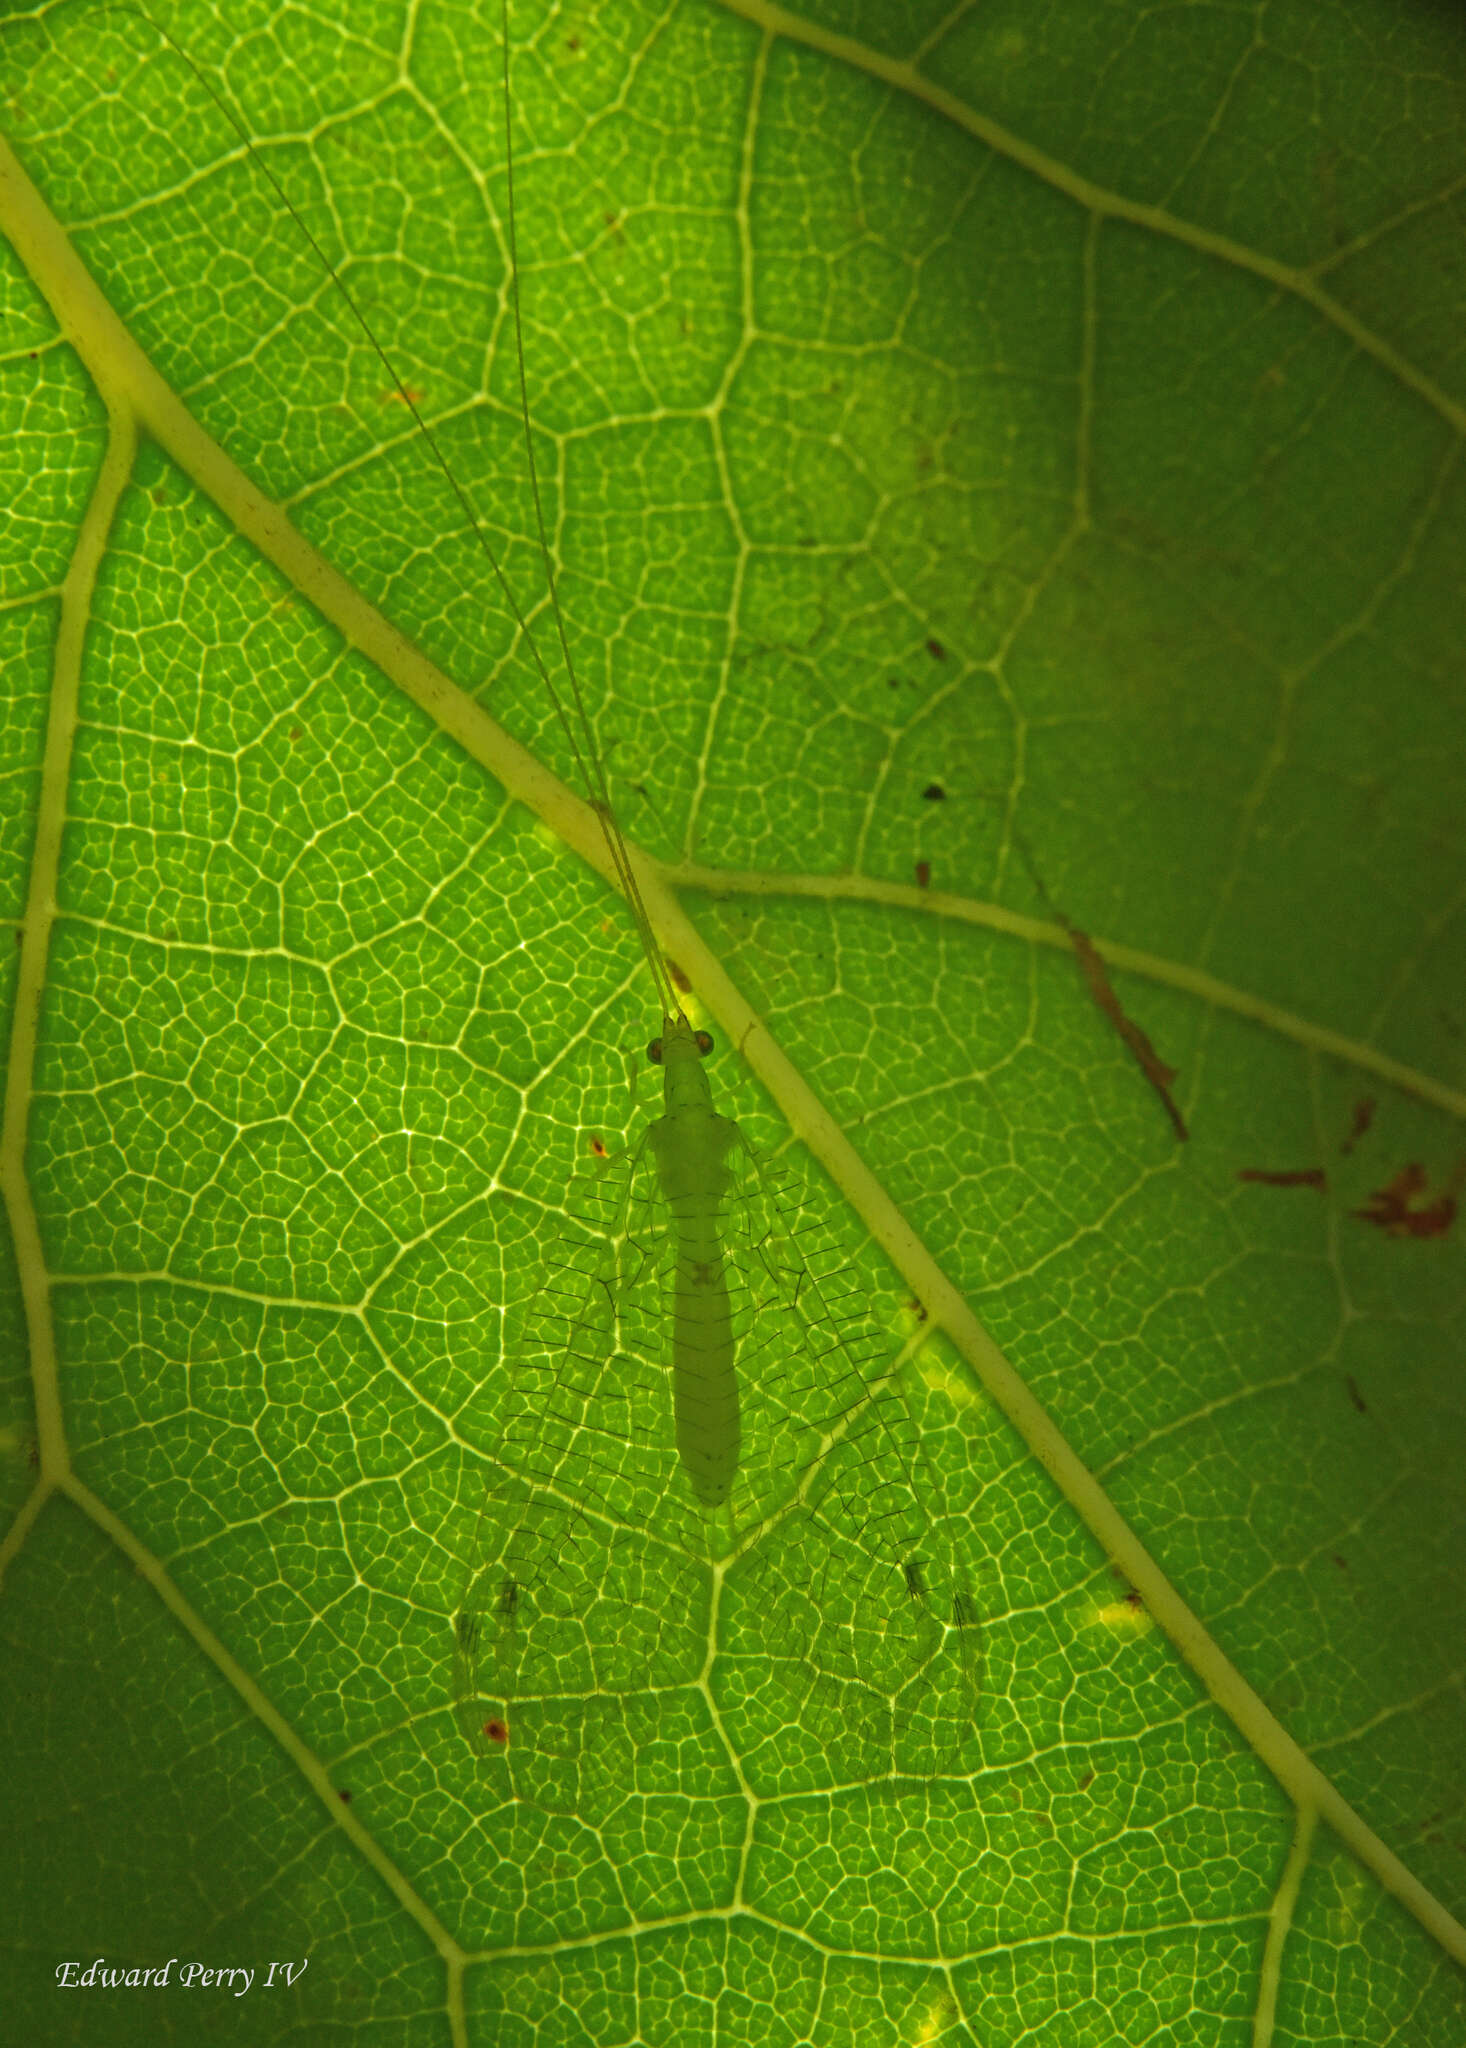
[
  {"x": 1360, "y": 1119},
  {"x": 1285, "y": 1177},
  {"x": 1393, "y": 1209},
  {"x": 1154, "y": 1068},
  {"x": 923, "y": 874}
]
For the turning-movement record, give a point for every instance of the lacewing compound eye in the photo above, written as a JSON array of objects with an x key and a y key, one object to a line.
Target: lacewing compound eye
[
  {"x": 497, "y": 1731},
  {"x": 703, "y": 1040}
]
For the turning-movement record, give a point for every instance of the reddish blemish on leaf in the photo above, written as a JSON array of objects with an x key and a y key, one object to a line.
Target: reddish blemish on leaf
[
  {"x": 923, "y": 874},
  {"x": 344, "y": 1797},
  {"x": 1286, "y": 1177},
  {"x": 1393, "y": 1210},
  {"x": 1085, "y": 1782},
  {"x": 1360, "y": 1119},
  {"x": 1354, "y": 1394},
  {"x": 1154, "y": 1068},
  {"x": 934, "y": 793},
  {"x": 1096, "y": 976},
  {"x": 497, "y": 1731},
  {"x": 936, "y": 650},
  {"x": 1341, "y": 1562},
  {"x": 679, "y": 979},
  {"x": 598, "y": 1146}
]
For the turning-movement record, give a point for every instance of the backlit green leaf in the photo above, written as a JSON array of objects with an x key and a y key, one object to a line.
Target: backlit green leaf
[{"x": 1002, "y": 469}]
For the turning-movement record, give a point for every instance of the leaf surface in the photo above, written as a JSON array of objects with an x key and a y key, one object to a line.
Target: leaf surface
[{"x": 1002, "y": 474}]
